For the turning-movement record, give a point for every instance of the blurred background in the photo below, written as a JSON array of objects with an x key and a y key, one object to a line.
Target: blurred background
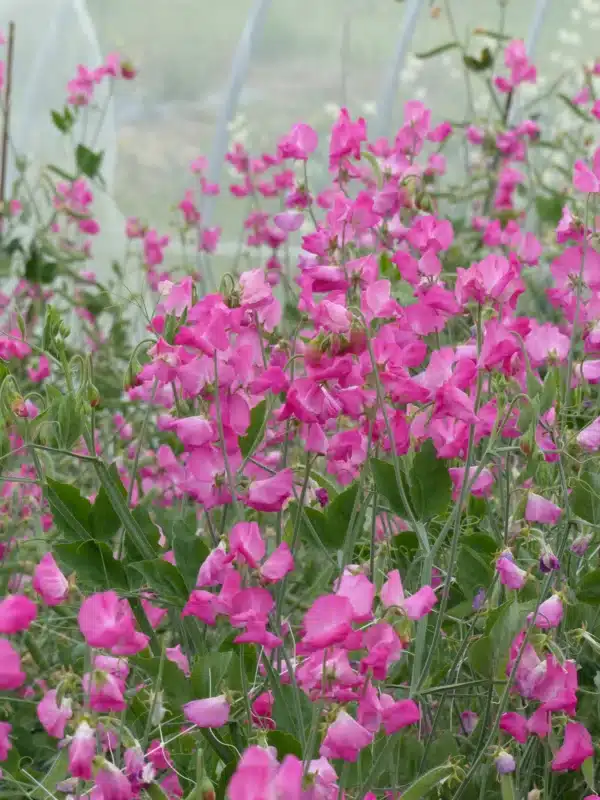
[{"x": 250, "y": 69}]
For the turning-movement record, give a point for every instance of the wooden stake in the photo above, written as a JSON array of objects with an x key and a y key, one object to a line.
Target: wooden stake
[{"x": 6, "y": 121}]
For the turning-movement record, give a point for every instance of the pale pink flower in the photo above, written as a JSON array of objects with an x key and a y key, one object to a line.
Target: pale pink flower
[{"x": 212, "y": 712}]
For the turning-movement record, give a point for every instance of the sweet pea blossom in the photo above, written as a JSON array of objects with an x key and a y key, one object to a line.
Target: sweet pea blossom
[
  {"x": 577, "y": 746},
  {"x": 415, "y": 606},
  {"x": 17, "y": 612},
  {"x": 539, "y": 509},
  {"x": 49, "y": 582},
  {"x": 345, "y": 738},
  {"x": 213, "y": 712}
]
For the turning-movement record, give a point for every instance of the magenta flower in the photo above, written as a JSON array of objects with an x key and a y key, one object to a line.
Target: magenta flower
[
  {"x": 299, "y": 143},
  {"x": 5, "y": 743},
  {"x": 17, "y": 612},
  {"x": 549, "y": 614},
  {"x": 52, "y": 716},
  {"x": 360, "y": 592},
  {"x": 177, "y": 656},
  {"x": 11, "y": 675},
  {"x": 82, "y": 751},
  {"x": 416, "y": 606},
  {"x": 49, "y": 582},
  {"x": 272, "y": 493},
  {"x": 327, "y": 622},
  {"x": 510, "y": 574},
  {"x": 345, "y": 738},
  {"x": 585, "y": 179},
  {"x": 399, "y": 714},
  {"x": 577, "y": 746},
  {"x": 112, "y": 783}
]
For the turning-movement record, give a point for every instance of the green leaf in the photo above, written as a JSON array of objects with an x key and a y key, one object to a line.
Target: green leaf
[
  {"x": 88, "y": 162},
  {"x": 423, "y": 785},
  {"x": 209, "y": 673},
  {"x": 480, "y": 64},
  {"x": 285, "y": 744},
  {"x": 585, "y": 497},
  {"x": 284, "y": 709},
  {"x": 56, "y": 773},
  {"x": 190, "y": 552},
  {"x": 481, "y": 657},
  {"x": 313, "y": 522},
  {"x": 338, "y": 515},
  {"x": 224, "y": 779},
  {"x": 474, "y": 569},
  {"x": 251, "y": 440},
  {"x": 63, "y": 121},
  {"x": 403, "y": 293},
  {"x": 587, "y": 770},
  {"x": 443, "y": 748},
  {"x": 104, "y": 521},
  {"x": 164, "y": 580},
  {"x": 93, "y": 563},
  {"x": 588, "y": 590},
  {"x": 176, "y": 686},
  {"x": 577, "y": 110},
  {"x": 39, "y": 268},
  {"x": 70, "y": 511},
  {"x": 70, "y": 421},
  {"x": 133, "y": 552},
  {"x": 436, "y": 51},
  {"x": 154, "y": 792},
  {"x": 430, "y": 482},
  {"x": 549, "y": 209},
  {"x": 385, "y": 483},
  {"x": 138, "y": 538}
]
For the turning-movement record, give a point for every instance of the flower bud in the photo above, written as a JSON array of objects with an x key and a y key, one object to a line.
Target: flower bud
[{"x": 505, "y": 763}]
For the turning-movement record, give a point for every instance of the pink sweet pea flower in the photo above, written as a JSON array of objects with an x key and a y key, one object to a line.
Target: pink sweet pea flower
[
  {"x": 360, "y": 592},
  {"x": 327, "y": 622},
  {"x": 416, "y": 606},
  {"x": 549, "y": 614},
  {"x": 577, "y": 746},
  {"x": 176, "y": 655},
  {"x": 398, "y": 715},
  {"x": 585, "y": 179},
  {"x": 515, "y": 725},
  {"x": 107, "y": 621},
  {"x": 299, "y": 143},
  {"x": 589, "y": 438},
  {"x": 278, "y": 564},
  {"x": 49, "y": 582},
  {"x": 53, "y": 717},
  {"x": 105, "y": 690},
  {"x": 246, "y": 543},
  {"x": 511, "y": 575},
  {"x": 212, "y": 712},
  {"x": 270, "y": 494},
  {"x": 11, "y": 675},
  {"x": 112, "y": 783},
  {"x": 5, "y": 743},
  {"x": 82, "y": 751},
  {"x": 17, "y": 612},
  {"x": 345, "y": 738},
  {"x": 482, "y": 485},
  {"x": 346, "y": 139},
  {"x": 383, "y": 647},
  {"x": 539, "y": 509}
]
